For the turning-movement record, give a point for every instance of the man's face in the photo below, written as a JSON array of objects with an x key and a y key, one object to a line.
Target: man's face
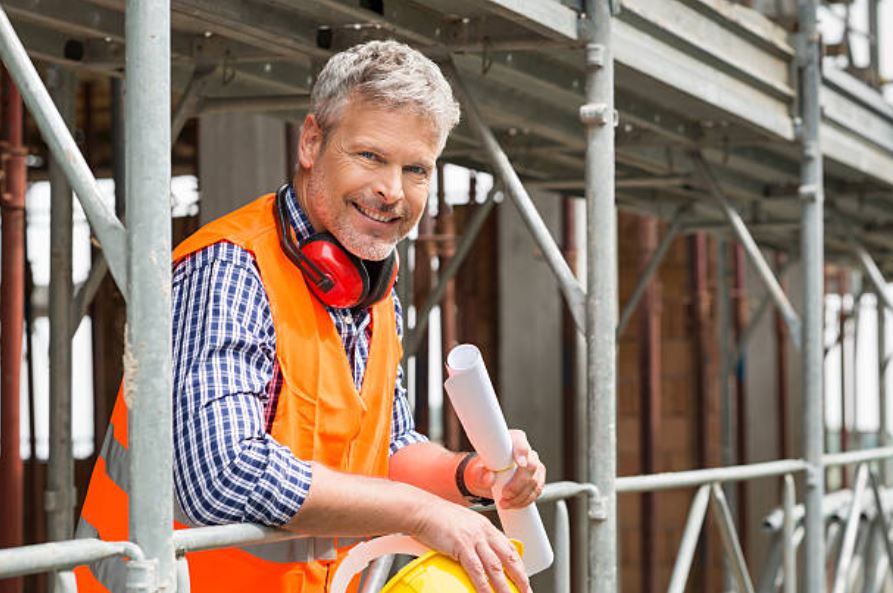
[{"x": 367, "y": 183}]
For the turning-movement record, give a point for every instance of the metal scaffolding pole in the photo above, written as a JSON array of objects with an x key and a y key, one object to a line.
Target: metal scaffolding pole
[
  {"x": 812, "y": 252},
  {"x": 601, "y": 294},
  {"x": 60, "y": 493},
  {"x": 502, "y": 167},
  {"x": 147, "y": 358},
  {"x": 52, "y": 128},
  {"x": 884, "y": 439},
  {"x": 12, "y": 309}
]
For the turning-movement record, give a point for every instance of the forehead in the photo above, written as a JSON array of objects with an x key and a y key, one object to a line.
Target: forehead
[{"x": 387, "y": 127}]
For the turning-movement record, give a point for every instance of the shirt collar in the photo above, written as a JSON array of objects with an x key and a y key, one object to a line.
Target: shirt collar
[{"x": 297, "y": 218}]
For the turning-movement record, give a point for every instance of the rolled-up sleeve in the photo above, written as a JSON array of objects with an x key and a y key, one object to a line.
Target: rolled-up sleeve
[{"x": 226, "y": 467}]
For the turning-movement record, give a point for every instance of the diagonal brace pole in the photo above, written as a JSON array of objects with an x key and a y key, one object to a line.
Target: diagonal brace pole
[
  {"x": 755, "y": 318},
  {"x": 867, "y": 262},
  {"x": 190, "y": 100},
  {"x": 449, "y": 272},
  {"x": 848, "y": 547},
  {"x": 730, "y": 539},
  {"x": 86, "y": 291},
  {"x": 567, "y": 282},
  {"x": 105, "y": 224},
  {"x": 696, "y": 514},
  {"x": 792, "y": 320},
  {"x": 650, "y": 269},
  {"x": 881, "y": 518}
]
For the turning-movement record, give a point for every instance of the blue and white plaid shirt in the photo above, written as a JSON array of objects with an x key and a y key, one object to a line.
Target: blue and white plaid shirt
[{"x": 227, "y": 467}]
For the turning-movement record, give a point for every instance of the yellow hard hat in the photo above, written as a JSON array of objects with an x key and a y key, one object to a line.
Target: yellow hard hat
[{"x": 434, "y": 572}]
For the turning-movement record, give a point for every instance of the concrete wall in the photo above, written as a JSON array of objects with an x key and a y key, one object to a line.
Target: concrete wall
[
  {"x": 530, "y": 340},
  {"x": 241, "y": 156}
]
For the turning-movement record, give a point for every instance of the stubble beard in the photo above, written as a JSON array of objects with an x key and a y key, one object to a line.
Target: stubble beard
[{"x": 360, "y": 244}]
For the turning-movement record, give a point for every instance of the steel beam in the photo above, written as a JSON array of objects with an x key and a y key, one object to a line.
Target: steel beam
[
  {"x": 597, "y": 115},
  {"x": 751, "y": 248},
  {"x": 294, "y": 102},
  {"x": 147, "y": 358},
  {"x": 52, "y": 128},
  {"x": 60, "y": 496},
  {"x": 567, "y": 282}
]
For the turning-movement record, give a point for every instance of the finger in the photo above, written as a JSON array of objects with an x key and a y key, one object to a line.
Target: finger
[
  {"x": 524, "y": 496},
  {"x": 520, "y": 448},
  {"x": 493, "y": 567},
  {"x": 514, "y": 567},
  {"x": 469, "y": 560}
]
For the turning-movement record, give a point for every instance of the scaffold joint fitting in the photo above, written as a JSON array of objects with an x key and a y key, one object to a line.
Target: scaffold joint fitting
[
  {"x": 808, "y": 192},
  {"x": 142, "y": 575},
  {"x": 598, "y": 506},
  {"x": 595, "y": 55},
  {"x": 597, "y": 114}
]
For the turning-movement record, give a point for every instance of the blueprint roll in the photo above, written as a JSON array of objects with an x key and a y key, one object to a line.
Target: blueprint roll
[{"x": 471, "y": 393}]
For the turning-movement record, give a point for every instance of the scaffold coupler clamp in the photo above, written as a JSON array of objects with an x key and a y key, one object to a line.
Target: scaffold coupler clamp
[
  {"x": 598, "y": 505},
  {"x": 598, "y": 114},
  {"x": 142, "y": 576},
  {"x": 808, "y": 192}
]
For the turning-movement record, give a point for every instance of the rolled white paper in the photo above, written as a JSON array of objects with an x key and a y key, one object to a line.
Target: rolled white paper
[{"x": 475, "y": 403}]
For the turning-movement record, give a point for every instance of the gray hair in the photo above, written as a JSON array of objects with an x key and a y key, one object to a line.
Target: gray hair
[{"x": 389, "y": 73}]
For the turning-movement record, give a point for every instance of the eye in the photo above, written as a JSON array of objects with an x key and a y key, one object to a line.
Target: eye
[
  {"x": 416, "y": 170},
  {"x": 368, "y": 155}
]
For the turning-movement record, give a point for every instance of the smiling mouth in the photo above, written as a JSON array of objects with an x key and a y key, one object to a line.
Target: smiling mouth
[{"x": 373, "y": 215}]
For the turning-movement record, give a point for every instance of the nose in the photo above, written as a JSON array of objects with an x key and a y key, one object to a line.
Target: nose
[{"x": 389, "y": 184}]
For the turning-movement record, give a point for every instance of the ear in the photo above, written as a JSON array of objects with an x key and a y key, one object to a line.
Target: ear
[{"x": 310, "y": 142}]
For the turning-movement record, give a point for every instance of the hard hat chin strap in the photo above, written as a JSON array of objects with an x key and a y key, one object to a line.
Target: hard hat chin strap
[{"x": 361, "y": 555}]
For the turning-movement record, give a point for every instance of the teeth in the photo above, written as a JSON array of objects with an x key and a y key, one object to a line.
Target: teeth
[{"x": 373, "y": 215}]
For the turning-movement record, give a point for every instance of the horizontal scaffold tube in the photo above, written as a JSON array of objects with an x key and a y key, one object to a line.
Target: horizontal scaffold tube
[
  {"x": 61, "y": 555},
  {"x": 732, "y": 473}
]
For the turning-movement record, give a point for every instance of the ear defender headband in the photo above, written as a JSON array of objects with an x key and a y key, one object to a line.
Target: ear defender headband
[{"x": 337, "y": 277}]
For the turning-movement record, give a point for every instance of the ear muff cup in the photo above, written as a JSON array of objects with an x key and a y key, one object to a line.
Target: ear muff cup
[
  {"x": 337, "y": 277},
  {"x": 382, "y": 275}
]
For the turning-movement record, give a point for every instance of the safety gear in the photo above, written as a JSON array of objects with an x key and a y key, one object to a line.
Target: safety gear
[
  {"x": 319, "y": 416},
  {"x": 433, "y": 573},
  {"x": 336, "y": 276},
  {"x": 430, "y": 572}
]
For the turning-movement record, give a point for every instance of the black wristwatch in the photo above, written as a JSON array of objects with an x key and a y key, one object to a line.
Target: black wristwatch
[{"x": 463, "y": 487}]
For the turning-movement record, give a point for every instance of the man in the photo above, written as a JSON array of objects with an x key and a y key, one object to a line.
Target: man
[{"x": 289, "y": 408}]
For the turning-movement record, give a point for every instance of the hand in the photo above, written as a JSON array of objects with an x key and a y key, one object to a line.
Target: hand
[
  {"x": 484, "y": 552},
  {"x": 526, "y": 484}
]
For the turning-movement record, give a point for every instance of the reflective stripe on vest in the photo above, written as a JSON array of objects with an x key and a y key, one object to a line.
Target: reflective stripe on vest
[{"x": 110, "y": 572}]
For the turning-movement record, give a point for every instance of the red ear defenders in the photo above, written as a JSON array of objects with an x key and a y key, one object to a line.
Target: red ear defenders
[{"x": 337, "y": 277}]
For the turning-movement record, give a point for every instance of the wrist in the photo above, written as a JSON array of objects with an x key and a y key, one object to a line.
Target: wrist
[{"x": 466, "y": 486}]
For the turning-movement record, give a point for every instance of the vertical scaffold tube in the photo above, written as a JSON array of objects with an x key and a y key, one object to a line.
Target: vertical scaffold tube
[
  {"x": 147, "y": 358},
  {"x": 12, "y": 312},
  {"x": 812, "y": 244},
  {"x": 601, "y": 296},
  {"x": 884, "y": 439},
  {"x": 60, "y": 495}
]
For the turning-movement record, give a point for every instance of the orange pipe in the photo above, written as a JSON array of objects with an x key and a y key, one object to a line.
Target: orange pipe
[{"x": 12, "y": 316}]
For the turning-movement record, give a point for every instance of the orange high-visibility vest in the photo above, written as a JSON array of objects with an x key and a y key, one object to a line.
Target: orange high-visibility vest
[{"x": 320, "y": 416}]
